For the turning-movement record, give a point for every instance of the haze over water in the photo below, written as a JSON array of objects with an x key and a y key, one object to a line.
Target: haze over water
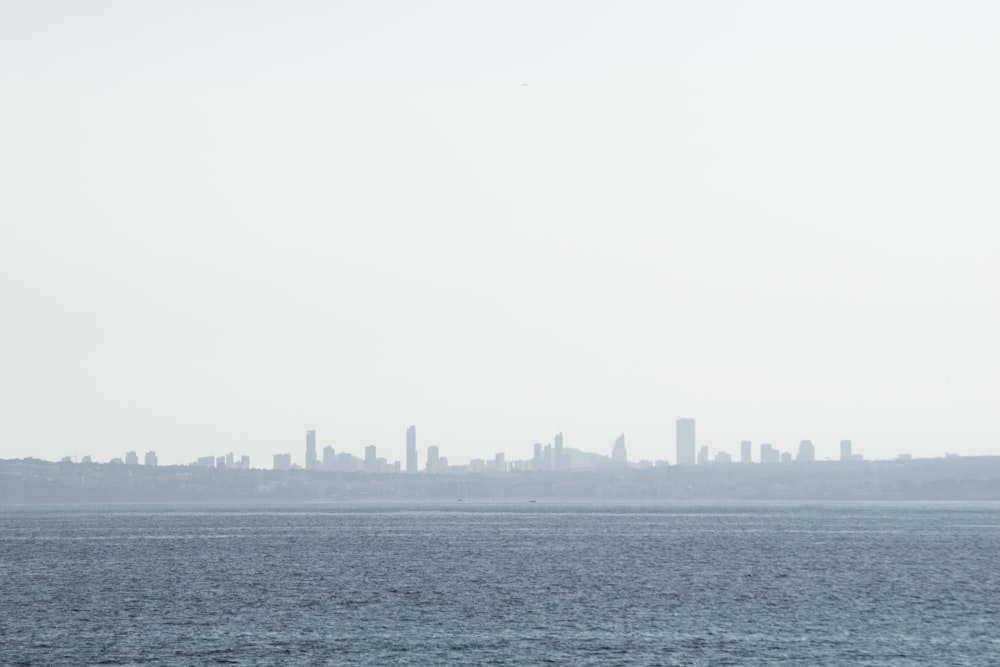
[{"x": 224, "y": 223}]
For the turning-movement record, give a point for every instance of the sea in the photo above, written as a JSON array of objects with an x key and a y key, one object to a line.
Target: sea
[{"x": 503, "y": 583}]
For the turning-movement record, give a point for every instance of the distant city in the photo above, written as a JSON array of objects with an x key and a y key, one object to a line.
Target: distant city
[
  {"x": 553, "y": 470},
  {"x": 553, "y": 456}
]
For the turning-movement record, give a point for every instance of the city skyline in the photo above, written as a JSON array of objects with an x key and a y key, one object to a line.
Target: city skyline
[
  {"x": 515, "y": 332},
  {"x": 666, "y": 449},
  {"x": 540, "y": 457}
]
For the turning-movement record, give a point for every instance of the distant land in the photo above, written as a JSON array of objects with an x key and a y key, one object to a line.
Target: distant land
[{"x": 28, "y": 481}]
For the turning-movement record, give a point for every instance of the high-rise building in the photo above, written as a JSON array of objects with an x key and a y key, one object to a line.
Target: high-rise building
[
  {"x": 703, "y": 455},
  {"x": 432, "y": 460},
  {"x": 244, "y": 462},
  {"x": 371, "y": 459},
  {"x": 500, "y": 462},
  {"x": 131, "y": 458},
  {"x": 769, "y": 454},
  {"x": 685, "y": 442},
  {"x": 536, "y": 462},
  {"x": 807, "y": 452},
  {"x": 411, "y": 449},
  {"x": 329, "y": 458},
  {"x": 559, "y": 462},
  {"x": 150, "y": 459},
  {"x": 283, "y": 461},
  {"x": 845, "y": 450},
  {"x": 745, "y": 455},
  {"x": 311, "y": 463},
  {"x": 618, "y": 454}
]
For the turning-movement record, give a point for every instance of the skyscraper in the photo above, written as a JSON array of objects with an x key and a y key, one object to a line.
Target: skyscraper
[
  {"x": 411, "y": 449},
  {"x": 371, "y": 459},
  {"x": 150, "y": 458},
  {"x": 703, "y": 455},
  {"x": 559, "y": 462},
  {"x": 807, "y": 452},
  {"x": 769, "y": 454},
  {"x": 131, "y": 458},
  {"x": 845, "y": 450},
  {"x": 745, "y": 453},
  {"x": 432, "y": 460},
  {"x": 329, "y": 458},
  {"x": 618, "y": 454},
  {"x": 685, "y": 442},
  {"x": 283, "y": 461},
  {"x": 311, "y": 450}
]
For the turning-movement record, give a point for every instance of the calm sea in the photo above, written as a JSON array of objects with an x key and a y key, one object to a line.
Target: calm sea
[{"x": 511, "y": 583}]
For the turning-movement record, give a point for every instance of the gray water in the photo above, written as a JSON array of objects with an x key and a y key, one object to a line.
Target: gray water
[{"x": 516, "y": 583}]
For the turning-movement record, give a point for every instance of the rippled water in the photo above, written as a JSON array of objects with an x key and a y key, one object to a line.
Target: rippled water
[{"x": 877, "y": 584}]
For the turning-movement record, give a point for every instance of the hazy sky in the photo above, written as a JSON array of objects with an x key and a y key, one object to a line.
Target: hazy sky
[{"x": 223, "y": 223}]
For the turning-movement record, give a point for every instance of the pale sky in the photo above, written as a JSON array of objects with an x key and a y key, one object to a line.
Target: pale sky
[{"x": 224, "y": 223}]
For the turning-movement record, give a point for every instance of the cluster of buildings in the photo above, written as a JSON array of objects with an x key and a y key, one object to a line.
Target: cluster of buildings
[
  {"x": 689, "y": 454},
  {"x": 549, "y": 457},
  {"x": 131, "y": 458},
  {"x": 227, "y": 461},
  {"x": 344, "y": 462}
]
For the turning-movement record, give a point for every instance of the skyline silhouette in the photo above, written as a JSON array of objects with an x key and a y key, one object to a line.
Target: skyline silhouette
[{"x": 540, "y": 457}]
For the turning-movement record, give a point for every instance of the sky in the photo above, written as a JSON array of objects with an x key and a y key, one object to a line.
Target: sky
[{"x": 224, "y": 223}]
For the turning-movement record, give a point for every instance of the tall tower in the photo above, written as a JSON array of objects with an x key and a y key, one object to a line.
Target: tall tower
[
  {"x": 432, "y": 460},
  {"x": 411, "y": 449},
  {"x": 371, "y": 459},
  {"x": 559, "y": 463},
  {"x": 745, "y": 455},
  {"x": 807, "y": 452},
  {"x": 685, "y": 442},
  {"x": 618, "y": 454},
  {"x": 845, "y": 450},
  {"x": 703, "y": 455},
  {"x": 311, "y": 450}
]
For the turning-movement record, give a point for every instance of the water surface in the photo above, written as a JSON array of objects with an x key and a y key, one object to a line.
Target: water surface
[{"x": 514, "y": 583}]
